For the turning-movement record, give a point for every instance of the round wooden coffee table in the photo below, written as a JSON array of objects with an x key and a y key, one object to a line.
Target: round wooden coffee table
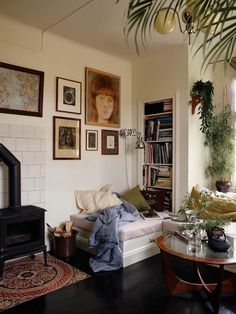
[{"x": 174, "y": 246}]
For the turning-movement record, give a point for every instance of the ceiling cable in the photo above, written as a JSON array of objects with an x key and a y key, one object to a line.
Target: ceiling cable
[
  {"x": 68, "y": 15},
  {"x": 63, "y": 19},
  {"x": 49, "y": 27}
]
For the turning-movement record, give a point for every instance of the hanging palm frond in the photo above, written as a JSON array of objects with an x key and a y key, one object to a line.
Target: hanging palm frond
[{"x": 207, "y": 15}]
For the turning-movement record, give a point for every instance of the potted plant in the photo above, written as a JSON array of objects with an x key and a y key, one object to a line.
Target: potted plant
[
  {"x": 203, "y": 92},
  {"x": 220, "y": 136},
  {"x": 194, "y": 228}
]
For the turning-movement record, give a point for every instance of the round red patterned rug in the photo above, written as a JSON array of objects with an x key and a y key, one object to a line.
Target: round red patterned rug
[{"x": 27, "y": 278}]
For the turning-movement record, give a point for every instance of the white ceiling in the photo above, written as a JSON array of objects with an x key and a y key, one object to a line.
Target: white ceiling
[{"x": 95, "y": 23}]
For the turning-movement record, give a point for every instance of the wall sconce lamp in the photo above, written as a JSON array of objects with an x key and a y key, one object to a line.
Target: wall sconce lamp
[{"x": 133, "y": 132}]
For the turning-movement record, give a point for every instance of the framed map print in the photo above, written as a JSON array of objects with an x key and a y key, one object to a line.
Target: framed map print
[{"x": 21, "y": 90}]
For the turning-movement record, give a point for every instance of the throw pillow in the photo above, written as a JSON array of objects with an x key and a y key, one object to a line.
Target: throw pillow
[
  {"x": 91, "y": 201},
  {"x": 135, "y": 197},
  {"x": 155, "y": 199},
  {"x": 221, "y": 206}
]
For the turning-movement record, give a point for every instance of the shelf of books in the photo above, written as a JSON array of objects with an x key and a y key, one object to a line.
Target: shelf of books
[{"x": 158, "y": 153}]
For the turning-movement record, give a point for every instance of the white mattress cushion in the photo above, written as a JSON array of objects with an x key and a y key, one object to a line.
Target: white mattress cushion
[{"x": 128, "y": 231}]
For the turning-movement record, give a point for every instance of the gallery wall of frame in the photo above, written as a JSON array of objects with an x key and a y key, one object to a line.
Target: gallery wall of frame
[{"x": 22, "y": 93}]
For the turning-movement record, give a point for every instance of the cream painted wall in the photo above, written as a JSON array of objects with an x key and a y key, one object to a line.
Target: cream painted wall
[
  {"x": 198, "y": 153},
  {"x": 61, "y": 57},
  {"x": 222, "y": 83},
  {"x": 162, "y": 76}
]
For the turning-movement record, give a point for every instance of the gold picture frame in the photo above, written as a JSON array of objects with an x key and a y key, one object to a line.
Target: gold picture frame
[
  {"x": 102, "y": 98},
  {"x": 68, "y": 95},
  {"x": 66, "y": 138}
]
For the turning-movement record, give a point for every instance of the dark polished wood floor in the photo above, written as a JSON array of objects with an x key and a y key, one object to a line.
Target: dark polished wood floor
[{"x": 137, "y": 289}]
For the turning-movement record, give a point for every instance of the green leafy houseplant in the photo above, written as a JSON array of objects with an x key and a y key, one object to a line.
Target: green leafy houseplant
[
  {"x": 193, "y": 209},
  {"x": 207, "y": 15},
  {"x": 205, "y": 92},
  {"x": 220, "y": 137}
]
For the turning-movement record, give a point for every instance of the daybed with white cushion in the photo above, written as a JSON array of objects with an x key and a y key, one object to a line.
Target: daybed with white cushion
[{"x": 137, "y": 238}]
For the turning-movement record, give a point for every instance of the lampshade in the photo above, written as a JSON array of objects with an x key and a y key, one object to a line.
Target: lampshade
[{"x": 164, "y": 22}]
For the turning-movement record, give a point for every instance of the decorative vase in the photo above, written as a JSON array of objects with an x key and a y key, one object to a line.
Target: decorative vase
[
  {"x": 222, "y": 186},
  {"x": 194, "y": 241}
]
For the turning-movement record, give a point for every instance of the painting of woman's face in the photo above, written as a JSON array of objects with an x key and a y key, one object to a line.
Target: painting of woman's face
[
  {"x": 105, "y": 106},
  {"x": 102, "y": 98}
]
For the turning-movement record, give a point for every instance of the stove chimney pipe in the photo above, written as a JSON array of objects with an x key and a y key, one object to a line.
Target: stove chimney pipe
[{"x": 14, "y": 176}]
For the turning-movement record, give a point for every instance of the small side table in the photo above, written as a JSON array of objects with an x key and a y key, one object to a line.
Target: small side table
[{"x": 173, "y": 246}]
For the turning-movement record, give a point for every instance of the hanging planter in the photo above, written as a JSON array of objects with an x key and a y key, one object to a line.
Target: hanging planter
[
  {"x": 196, "y": 99},
  {"x": 203, "y": 92}
]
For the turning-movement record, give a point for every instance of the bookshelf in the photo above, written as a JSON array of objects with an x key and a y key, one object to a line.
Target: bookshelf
[{"x": 158, "y": 153}]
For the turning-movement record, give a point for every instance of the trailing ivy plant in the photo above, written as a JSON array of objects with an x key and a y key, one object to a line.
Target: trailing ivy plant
[
  {"x": 220, "y": 138},
  {"x": 205, "y": 111}
]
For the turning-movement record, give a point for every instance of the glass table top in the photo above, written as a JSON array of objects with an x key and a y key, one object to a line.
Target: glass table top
[{"x": 173, "y": 245}]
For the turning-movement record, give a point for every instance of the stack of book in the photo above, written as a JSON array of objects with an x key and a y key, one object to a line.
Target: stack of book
[
  {"x": 167, "y": 105},
  {"x": 165, "y": 134},
  {"x": 163, "y": 183}
]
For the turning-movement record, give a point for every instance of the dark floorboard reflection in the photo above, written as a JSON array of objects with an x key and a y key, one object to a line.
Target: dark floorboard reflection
[{"x": 137, "y": 289}]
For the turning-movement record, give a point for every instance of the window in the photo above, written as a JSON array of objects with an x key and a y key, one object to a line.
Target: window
[{"x": 233, "y": 99}]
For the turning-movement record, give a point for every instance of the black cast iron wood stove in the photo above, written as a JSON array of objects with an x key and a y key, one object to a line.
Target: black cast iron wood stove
[{"x": 21, "y": 227}]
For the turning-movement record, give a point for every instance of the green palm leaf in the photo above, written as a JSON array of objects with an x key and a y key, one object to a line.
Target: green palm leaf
[{"x": 220, "y": 14}]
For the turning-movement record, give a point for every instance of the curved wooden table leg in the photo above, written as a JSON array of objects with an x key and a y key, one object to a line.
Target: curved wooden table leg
[
  {"x": 175, "y": 284},
  {"x": 214, "y": 290}
]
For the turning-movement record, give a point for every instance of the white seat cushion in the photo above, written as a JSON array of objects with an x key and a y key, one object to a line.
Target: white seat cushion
[{"x": 128, "y": 231}]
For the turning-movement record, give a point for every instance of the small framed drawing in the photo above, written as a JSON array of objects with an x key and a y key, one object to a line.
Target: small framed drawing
[
  {"x": 68, "y": 96},
  {"x": 102, "y": 98},
  {"x": 91, "y": 140},
  {"x": 66, "y": 138},
  {"x": 21, "y": 90},
  {"x": 110, "y": 143}
]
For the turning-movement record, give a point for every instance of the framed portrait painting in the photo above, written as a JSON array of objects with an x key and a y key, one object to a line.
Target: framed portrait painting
[
  {"x": 102, "y": 98},
  {"x": 110, "y": 142},
  {"x": 68, "y": 95},
  {"x": 66, "y": 138},
  {"x": 21, "y": 90},
  {"x": 91, "y": 140}
]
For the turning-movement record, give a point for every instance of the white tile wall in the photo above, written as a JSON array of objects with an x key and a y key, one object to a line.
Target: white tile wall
[{"x": 28, "y": 145}]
